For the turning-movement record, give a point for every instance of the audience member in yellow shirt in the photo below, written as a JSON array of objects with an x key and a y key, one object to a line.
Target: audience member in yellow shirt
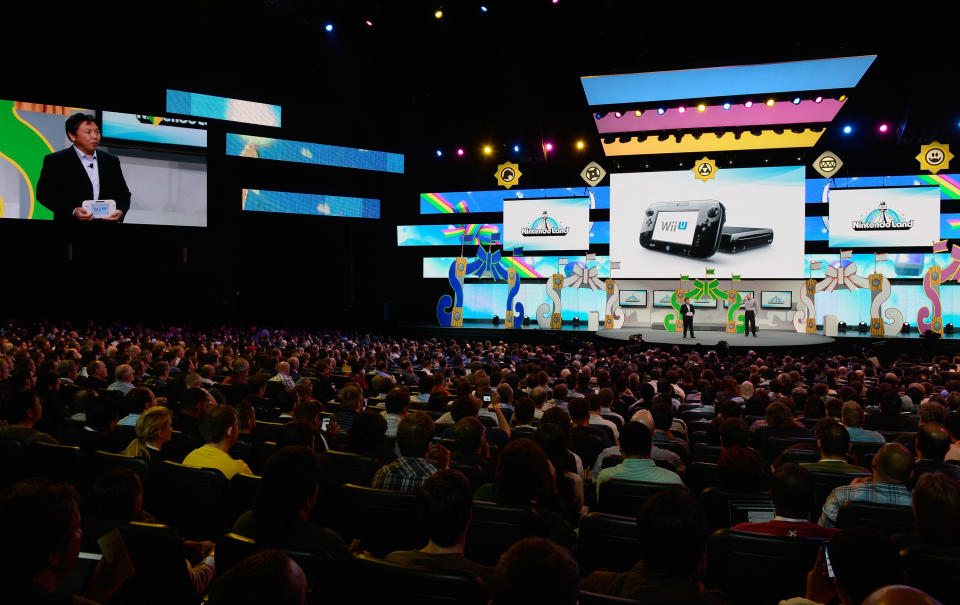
[{"x": 220, "y": 430}]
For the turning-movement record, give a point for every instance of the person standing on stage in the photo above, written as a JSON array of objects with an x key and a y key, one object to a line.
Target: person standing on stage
[
  {"x": 749, "y": 315},
  {"x": 82, "y": 172},
  {"x": 687, "y": 311}
]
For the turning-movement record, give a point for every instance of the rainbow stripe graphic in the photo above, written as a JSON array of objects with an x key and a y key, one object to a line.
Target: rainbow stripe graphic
[
  {"x": 948, "y": 186},
  {"x": 523, "y": 267},
  {"x": 954, "y": 223},
  {"x": 474, "y": 233},
  {"x": 438, "y": 202}
]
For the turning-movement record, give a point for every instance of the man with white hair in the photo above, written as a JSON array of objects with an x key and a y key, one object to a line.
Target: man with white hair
[
  {"x": 283, "y": 376},
  {"x": 124, "y": 379},
  {"x": 656, "y": 453}
]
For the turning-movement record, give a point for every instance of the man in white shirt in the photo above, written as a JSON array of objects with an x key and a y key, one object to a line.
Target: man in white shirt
[{"x": 749, "y": 315}]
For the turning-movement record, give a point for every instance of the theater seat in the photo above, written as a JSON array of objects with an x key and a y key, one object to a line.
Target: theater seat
[
  {"x": 725, "y": 508},
  {"x": 56, "y": 462},
  {"x": 375, "y": 581},
  {"x": 324, "y": 576},
  {"x": 799, "y": 455},
  {"x": 192, "y": 500},
  {"x": 351, "y": 468},
  {"x": 161, "y": 576},
  {"x": 384, "y": 520},
  {"x": 885, "y": 517},
  {"x": 607, "y": 542},
  {"x": 774, "y": 446},
  {"x": 699, "y": 476},
  {"x": 12, "y": 467},
  {"x": 703, "y": 452},
  {"x": 935, "y": 571},
  {"x": 592, "y": 598},
  {"x": 755, "y": 569},
  {"x": 242, "y": 494},
  {"x": 824, "y": 483},
  {"x": 623, "y": 497},
  {"x": 105, "y": 461},
  {"x": 495, "y": 528}
]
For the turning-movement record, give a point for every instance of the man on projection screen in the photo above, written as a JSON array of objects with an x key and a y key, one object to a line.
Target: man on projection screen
[{"x": 81, "y": 172}]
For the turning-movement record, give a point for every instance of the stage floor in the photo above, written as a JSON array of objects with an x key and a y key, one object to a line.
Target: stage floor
[{"x": 764, "y": 338}]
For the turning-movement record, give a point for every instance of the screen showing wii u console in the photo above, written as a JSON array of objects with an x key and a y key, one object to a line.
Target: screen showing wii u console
[
  {"x": 675, "y": 227},
  {"x": 770, "y": 198}
]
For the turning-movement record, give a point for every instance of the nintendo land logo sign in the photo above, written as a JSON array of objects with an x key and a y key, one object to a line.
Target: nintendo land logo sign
[
  {"x": 883, "y": 219},
  {"x": 164, "y": 121},
  {"x": 544, "y": 226}
]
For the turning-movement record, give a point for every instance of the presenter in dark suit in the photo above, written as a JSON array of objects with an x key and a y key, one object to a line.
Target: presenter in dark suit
[
  {"x": 81, "y": 172},
  {"x": 687, "y": 311}
]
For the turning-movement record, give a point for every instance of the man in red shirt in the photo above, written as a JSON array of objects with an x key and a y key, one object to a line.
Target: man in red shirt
[{"x": 791, "y": 488}]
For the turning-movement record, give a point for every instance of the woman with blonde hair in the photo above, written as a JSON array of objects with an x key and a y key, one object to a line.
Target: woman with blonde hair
[{"x": 154, "y": 428}]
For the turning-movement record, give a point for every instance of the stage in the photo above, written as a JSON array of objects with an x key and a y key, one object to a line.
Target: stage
[{"x": 571, "y": 337}]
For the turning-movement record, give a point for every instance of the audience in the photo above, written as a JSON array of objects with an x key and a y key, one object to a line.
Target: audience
[
  {"x": 444, "y": 502},
  {"x": 220, "y": 429},
  {"x": 535, "y": 570},
  {"x": 154, "y": 429},
  {"x": 419, "y": 456},
  {"x": 674, "y": 535},
  {"x": 266, "y": 577},
  {"x": 833, "y": 441},
  {"x": 891, "y": 470},
  {"x": 791, "y": 489},
  {"x": 635, "y": 444}
]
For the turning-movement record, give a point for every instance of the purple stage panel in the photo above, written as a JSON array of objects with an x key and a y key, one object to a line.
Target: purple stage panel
[{"x": 715, "y": 116}]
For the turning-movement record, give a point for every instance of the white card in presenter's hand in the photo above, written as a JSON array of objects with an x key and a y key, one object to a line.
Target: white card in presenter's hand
[{"x": 99, "y": 208}]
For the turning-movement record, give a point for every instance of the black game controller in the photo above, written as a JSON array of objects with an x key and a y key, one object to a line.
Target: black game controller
[{"x": 691, "y": 228}]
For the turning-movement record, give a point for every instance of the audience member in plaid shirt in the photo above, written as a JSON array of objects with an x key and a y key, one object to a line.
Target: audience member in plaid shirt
[
  {"x": 418, "y": 457},
  {"x": 891, "y": 469}
]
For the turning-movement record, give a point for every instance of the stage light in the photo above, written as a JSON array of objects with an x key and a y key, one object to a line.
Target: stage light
[
  {"x": 906, "y": 327},
  {"x": 818, "y": 99},
  {"x": 483, "y": 9},
  {"x": 842, "y": 98},
  {"x": 796, "y": 100},
  {"x": 548, "y": 146},
  {"x": 681, "y": 109},
  {"x": 948, "y": 328},
  {"x": 617, "y": 114},
  {"x": 748, "y": 104},
  {"x": 883, "y": 128},
  {"x": 863, "y": 327},
  {"x": 576, "y": 322},
  {"x": 727, "y": 106},
  {"x": 660, "y": 111},
  {"x": 579, "y": 144},
  {"x": 460, "y": 151},
  {"x": 438, "y": 14},
  {"x": 526, "y": 321},
  {"x": 369, "y": 23},
  {"x": 701, "y": 107},
  {"x": 600, "y": 115},
  {"x": 847, "y": 129},
  {"x": 487, "y": 150},
  {"x": 516, "y": 149},
  {"x": 496, "y": 319},
  {"x": 770, "y": 102},
  {"x": 556, "y": 1},
  {"x": 328, "y": 27},
  {"x": 842, "y": 326},
  {"x": 638, "y": 113},
  {"x": 439, "y": 153}
]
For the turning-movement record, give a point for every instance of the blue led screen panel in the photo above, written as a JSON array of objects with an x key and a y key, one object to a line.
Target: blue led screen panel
[
  {"x": 900, "y": 265},
  {"x": 537, "y": 267},
  {"x": 288, "y": 202},
  {"x": 462, "y": 202},
  {"x": 794, "y": 76},
  {"x": 854, "y": 307},
  {"x": 484, "y": 300},
  {"x": 222, "y": 108},
  {"x": 451, "y": 235},
  {"x": 313, "y": 153},
  {"x": 153, "y": 129}
]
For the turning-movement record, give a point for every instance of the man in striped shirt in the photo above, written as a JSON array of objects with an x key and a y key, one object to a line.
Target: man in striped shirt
[{"x": 891, "y": 469}]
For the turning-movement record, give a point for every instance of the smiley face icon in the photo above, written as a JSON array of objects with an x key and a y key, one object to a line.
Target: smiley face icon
[{"x": 934, "y": 156}]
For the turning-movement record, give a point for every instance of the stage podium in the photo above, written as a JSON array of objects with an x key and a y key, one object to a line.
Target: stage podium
[
  {"x": 830, "y": 325},
  {"x": 593, "y": 321}
]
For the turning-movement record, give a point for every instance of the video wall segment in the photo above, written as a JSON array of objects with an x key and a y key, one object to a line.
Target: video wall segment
[
  {"x": 153, "y": 129},
  {"x": 547, "y": 223},
  {"x": 289, "y": 202},
  {"x": 165, "y": 188},
  {"x": 884, "y": 218},
  {"x": 526, "y": 266},
  {"x": 222, "y": 108},
  {"x": 460, "y": 202},
  {"x": 747, "y": 221},
  {"x": 248, "y": 146}
]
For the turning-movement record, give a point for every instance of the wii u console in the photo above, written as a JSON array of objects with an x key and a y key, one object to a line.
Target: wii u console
[
  {"x": 739, "y": 239},
  {"x": 689, "y": 228}
]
